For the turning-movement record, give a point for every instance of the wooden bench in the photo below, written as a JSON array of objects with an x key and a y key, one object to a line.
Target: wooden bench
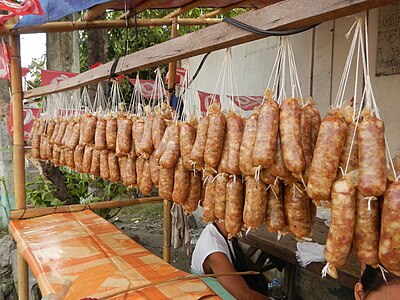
[
  {"x": 285, "y": 249},
  {"x": 100, "y": 260}
]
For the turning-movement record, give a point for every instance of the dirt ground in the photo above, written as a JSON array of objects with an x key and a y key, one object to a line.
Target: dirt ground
[{"x": 144, "y": 223}]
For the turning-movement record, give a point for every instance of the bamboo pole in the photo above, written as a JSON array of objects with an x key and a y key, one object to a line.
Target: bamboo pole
[
  {"x": 183, "y": 9},
  {"x": 101, "y": 24},
  {"x": 95, "y": 11},
  {"x": 226, "y": 9},
  {"x": 18, "y": 153},
  {"x": 43, "y": 211},
  {"x": 181, "y": 278},
  {"x": 168, "y": 204}
]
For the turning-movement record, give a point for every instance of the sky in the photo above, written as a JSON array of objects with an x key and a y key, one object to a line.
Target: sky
[{"x": 32, "y": 46}]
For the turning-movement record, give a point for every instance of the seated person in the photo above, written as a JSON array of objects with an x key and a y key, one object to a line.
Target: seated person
[
  {"x": 372, "y": 286},
  {"x": 215, "y": 254}
]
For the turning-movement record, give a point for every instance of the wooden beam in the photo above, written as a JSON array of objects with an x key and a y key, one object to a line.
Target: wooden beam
[
  {"x": 101, "y": 24},
  {"x": 18, "y": 214},
  {"x": 286, "y": 14}
]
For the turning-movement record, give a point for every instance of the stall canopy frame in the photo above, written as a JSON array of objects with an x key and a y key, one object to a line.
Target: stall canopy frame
[{"x": 287, "y": 14}]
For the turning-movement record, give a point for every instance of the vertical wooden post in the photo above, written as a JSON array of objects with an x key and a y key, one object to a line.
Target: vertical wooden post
[
  {"x": 18, "y": 153},
  {"x": 168, "y": 204}
]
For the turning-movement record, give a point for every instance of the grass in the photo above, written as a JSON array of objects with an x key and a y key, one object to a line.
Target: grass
[{"x": 143, "y": 211}]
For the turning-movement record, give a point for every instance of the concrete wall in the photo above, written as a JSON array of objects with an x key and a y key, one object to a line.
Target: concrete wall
[{"x": 320, "y": 56}]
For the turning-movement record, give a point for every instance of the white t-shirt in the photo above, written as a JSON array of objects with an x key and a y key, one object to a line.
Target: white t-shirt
[{"x": 209, "y": 242}]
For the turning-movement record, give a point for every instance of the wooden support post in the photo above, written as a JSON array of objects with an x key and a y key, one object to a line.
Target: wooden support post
[
  {"x": 168, "y": 204},
  {"x": 18, "y": 153}
]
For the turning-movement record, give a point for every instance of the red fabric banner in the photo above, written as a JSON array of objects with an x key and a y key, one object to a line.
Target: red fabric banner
[
  {"x": 179, "y": 78},
  {"x": 4, "y": 61},
  {"x": 206, "y": 99},
  {"x": 246, "y": 102},
  {"x": 27, "y": 7},
  {"x": 147, "y": 87},
  {"x": 29, "y": 115},
  {"x": 50, "y": 76},
  {"x": 25, "y": 71}
]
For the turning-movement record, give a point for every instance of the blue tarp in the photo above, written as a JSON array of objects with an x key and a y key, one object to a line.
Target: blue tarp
[{"x": 56, "y": 9}]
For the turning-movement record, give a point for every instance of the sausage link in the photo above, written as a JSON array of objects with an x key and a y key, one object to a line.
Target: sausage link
[
  {"x": 100, "y": 142},
  {"x": 139, "y": 164},
  {"x": 146, "y": 143},
  {"x": 267, "y": 177},
  {"x": 60, "y": 133},
  {"x": 163, "y": 144},
  {"x": 275, "y": 215},
  {"x": 49, "y": 150},
  {"x": 215, "y": 139},
  {"x": 181, "y": 183},
  {"x": 340, "y": 234},
  {"x": 297, "y": 211},
  {"x": 171, "y": 154},
  {"x": 90, "y": 129},
  {"x": 111, "y": 133},
  {"x": 35, "y": 128},
  {"x": 255, "y": 203},
  {"x": 154, "y": 170},
  {"x": 69, "y": 129},
  {"x": 389, "y": 242},
  {"x": 267, "y": 132},
  {"x": 324, "y": 165},
  {"x": 78, "y": 158},
  {"x": 146, "y": 185},
  {"x": 113, "y": 167},
  {"x": 306, "y": 129},
  {"x": 50, "y": 128},
  {"x": 315, "y": 124},
  {"x": 69, "y": 159},
  {"x": 124, "y": 136},
  {"x": 35, "y": 143},
  {"x": 166, "y": 184},
  {"x": 220, "y": 196},
  {"x": 209, "y": 201},
  {"x": 187, "y": 137},
  {"x": 197, "y": 154},
  {"x": 104, "y": 169},
  {"x": 246, "y": 148},
  {"x": 194, "y": 194},
  {"x": 223, "y": 163},
  {"x": 290, "y": 134},
  {"x": 157, "y": 130},
  {"x": 127, "y": 169},
  {"x": 95, "y": 167},
  {"x": 234, "y": 206},
  {"x": 62, "y": 157},
  {"x": 138, "y": 133},
  {"x": 87, "y": 159},
  {"x": 353, "y": 162},
  {"x": 366, "y": 230},
  {"x": 43, "y": 146},
  {"x": 82, "y": 124},
  {"x": 74, "y": 139},
  {"x": 234, "y": 130},
  {"x": 55, "y": 132},
  {"x": 279, "y": 169},
  {"x": 56, "y": 155},
  {"x": 372, "y": 157}
]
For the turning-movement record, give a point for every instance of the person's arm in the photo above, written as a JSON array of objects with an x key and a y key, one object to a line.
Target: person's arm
[{"x": 218, "y": 262}]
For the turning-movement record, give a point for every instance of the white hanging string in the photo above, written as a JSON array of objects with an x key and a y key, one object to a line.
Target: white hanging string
[{"x": 293, "y": 71}]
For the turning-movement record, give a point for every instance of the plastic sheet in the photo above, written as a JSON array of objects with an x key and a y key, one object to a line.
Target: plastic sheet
[{"x": 100, "y": 260}]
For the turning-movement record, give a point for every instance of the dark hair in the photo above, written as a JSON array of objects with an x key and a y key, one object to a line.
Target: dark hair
[{"x": 372, "y": 279}]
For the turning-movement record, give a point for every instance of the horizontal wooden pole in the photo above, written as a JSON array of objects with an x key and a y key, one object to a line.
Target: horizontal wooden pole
[
  {"x": 287, "y": 14},
  {"x": 102, "y": 24},
  {"x": 43, "y": 211}
]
